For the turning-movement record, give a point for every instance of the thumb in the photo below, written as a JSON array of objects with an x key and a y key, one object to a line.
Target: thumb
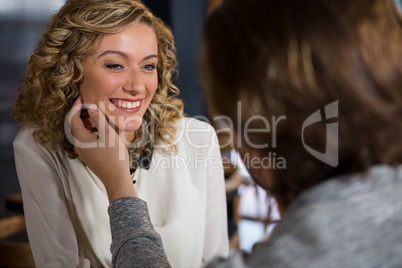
[
  {"x": 105, "y": 132},
  {"x": 92, "y": 116},
  {"x": 76, "y": 124},
  {"x": 98, "y": 120}
]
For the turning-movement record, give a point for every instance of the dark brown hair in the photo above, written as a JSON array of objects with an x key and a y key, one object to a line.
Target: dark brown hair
[{"x": 295, "y": 57}]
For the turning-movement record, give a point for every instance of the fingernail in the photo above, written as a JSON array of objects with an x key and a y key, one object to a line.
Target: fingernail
[{"x": 92, "y": 108}]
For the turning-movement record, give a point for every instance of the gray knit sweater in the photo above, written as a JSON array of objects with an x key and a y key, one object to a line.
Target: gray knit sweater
[
  {"x": 352, "y": 221},
  {"x": 135, "y": 243}
]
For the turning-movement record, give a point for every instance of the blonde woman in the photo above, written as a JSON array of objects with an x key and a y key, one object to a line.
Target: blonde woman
[{"x": 117, "y": 58}]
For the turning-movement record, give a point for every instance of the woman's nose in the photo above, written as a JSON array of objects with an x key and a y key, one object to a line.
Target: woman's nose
[{"x": 134, "y": 82}]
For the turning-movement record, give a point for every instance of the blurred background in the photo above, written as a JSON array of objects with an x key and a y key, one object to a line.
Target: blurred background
[{"x": 21, "y": 23}]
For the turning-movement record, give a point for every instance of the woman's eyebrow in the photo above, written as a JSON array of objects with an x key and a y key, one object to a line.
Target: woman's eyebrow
[
  {"x": 151, "y": 56},
  {"x": 124, "y": 55}
]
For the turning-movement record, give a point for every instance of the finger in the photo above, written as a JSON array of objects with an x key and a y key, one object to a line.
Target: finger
[
  {"x": 80, "y": 132},
  {"x": 87, "y": 121},
  {"x": 107, "y": 133},
  {"x": 99, "y": 121},
  {"x": 74, "y": 116}
]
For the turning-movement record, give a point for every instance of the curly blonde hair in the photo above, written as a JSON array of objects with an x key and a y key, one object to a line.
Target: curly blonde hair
[{"x": 54, "y": 72}]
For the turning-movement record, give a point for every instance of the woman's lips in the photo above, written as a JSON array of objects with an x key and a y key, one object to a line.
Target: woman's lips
[{"x": 127, "y": 105}]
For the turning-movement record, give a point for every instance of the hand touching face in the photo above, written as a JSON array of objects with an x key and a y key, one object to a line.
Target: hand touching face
[{"x": 104, "y": 151}]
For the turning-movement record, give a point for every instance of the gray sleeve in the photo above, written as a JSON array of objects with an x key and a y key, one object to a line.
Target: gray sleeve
[
  {"x": 135, "y": 243},
  {"x": 235, "y": 260}
]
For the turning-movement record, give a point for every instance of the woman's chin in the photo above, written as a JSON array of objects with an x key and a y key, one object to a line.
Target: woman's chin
[{"x": 130, "y": 128}]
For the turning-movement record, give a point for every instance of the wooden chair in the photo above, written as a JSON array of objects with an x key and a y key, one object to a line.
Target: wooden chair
[{"x": 13, "y": 253}]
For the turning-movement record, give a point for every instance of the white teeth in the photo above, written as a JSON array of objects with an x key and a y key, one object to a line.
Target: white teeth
[{"x": 128, "y": 105}]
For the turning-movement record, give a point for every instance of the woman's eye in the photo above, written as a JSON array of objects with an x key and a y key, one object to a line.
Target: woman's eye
[
  {"x": 114, "y": 66},
  {"x": 149, "y": 67}
]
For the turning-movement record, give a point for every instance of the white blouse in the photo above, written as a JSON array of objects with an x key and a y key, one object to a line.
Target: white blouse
[{"x": 65, "y": 204}]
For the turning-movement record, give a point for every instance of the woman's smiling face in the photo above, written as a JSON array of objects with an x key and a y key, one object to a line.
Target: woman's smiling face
[{"x": 120, "y": 76}]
